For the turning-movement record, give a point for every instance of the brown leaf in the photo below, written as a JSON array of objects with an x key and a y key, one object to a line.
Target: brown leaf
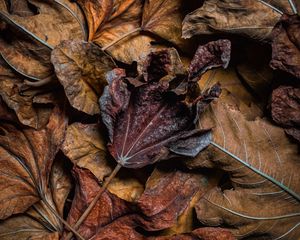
[
  {"x": 115, "y": 19},
  {"x": 52, "y": 23},
  {"x": 28, "y": 113},
  {"x": 81, "y": 68},
  {"x": 249, "y": 18},
  {"x": 21, "y": 8},
  {"x": 26, "y": 157},
  {"x": 262, "y": 199},
  {"x": 167, "y": 194},
  {"x": 143, "y": 125},
  {"x": 286, "y": 109},
  {"x": 164, "y": 18},
  {"x": 286, "y": 45}
]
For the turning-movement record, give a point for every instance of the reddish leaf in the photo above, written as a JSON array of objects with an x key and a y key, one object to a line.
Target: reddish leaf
[
  {"x": 286, "y": 109},
  {"x": 150, "y": 122},
  {"x": 286, "y": 45}
]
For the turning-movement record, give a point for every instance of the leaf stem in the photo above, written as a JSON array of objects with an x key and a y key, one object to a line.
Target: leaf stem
[
  {"x": 95, "y": 200},
  {"x": 271, "y": 6},
  {"x": 271, "y": 179},
  {"x": 61, "y": 219},
  {"x": 121, "y": 38},
  {"x": 293, "y": 6}
]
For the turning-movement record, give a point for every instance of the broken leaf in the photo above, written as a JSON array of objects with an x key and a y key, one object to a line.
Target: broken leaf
[
  {"x": 253, "y": 19},
  {"x": 26, "y": 158},
  {"x": 285, "y": 109},
  {"x": 150, "y": 122},
  {"x": 262, "y": 199},
  {"x": 286, "y": 45},
  {"x": 81, "y": 68}
]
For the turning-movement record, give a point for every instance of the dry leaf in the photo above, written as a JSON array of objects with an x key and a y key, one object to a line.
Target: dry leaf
[
  {"x": 249, "y": 18},
  {"x": 286, "y": 45},
  {"x": 26, "y": 157},
  {"x": 150, "y": 122},
  {"x": 81, "y": 68},
  {"x": 263, "y": 199},
  {"x": 285, "y": 108},
  {"x": 115, "y": 19}
]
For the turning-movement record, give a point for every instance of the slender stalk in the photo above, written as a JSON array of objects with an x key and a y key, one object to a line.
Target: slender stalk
[
  {"x": 62, "y": 220},
  {"x": 95, "y": 200},
  {"x": 293, "y": 6},
  {"x": 121, "y": 38},
  {"x": 39, "y": 83},
  {"x": 271, "y": 6}
]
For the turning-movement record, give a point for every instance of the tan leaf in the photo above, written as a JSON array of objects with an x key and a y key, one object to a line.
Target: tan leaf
[
  {"x": 115, "y": 19},
  {"x": 26, "y": 157},
  {"x": 249, "y": 18},
  {"x": 81, "y": 68},
  {"x": 263, "y": 199}
]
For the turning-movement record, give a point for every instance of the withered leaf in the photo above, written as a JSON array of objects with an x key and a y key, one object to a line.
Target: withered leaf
[
  {"x": 39, "y": 222},
  {"x": 263, "y": 197},
  {"x": 167, "y": 194},
  {"x": 28, "y": 113},
  {"x": 286, "y": 45},
  {"x": 249, "y": 18},
  {"x": 150, "y": 122},
  {"x": 211, "y": 55},
  {"x": 285, "y": 107},
  {"x": 164, "y": 18},
  {"x": 26, "y": 157},
  {"x": 81, "y": 68},
  {"x": 27, "y": 41},
  {"x": 109, "y": 20}
]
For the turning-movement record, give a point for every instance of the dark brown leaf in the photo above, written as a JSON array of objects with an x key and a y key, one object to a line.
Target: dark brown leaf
[
  {"x": 81, "y": 68},
  {"x": 211, "y": 55},
  {"x": 286, "y": 45},
  {"x": 286, "y": 109},
  {"x": 150, "y": 122}
]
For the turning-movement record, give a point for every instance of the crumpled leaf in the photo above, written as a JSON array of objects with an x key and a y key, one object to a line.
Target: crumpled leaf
[
  {"x": 52, "y": 23},
  {"x": 164, "y": 18},
  {"x": 26, "y": 157},
  {"x": 81, "y": 68},
  {"x": 263, "y": 196},
  {"x": 249, "y": 18},
  {"x": 108, "y": 20},
  {"x": 208, "y": 56},
  {"x": 29, "y": 113},
  {"x": 38, "y": 222},
  {"x": 167, "y": 194},
  {"x": 85, "y": 146},
  {"x": 150, "y": 122},
  {"x": 285, "y": 107},
  {"x": 286, "y": 45}
]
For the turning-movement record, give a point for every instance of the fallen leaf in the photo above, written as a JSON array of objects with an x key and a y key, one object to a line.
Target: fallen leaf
[
  {"x": 28, "y": 113},
  {"x": 26, "y": 158},
  {"x": 262, "y": 199},
  {"x": 285, "y": 107},
  {"x": 81, "y": 68},
  {"x": 249, "y": 18},
  {"x": 114, "y": 20},
  {"x": 286, "y": 45},
  {"x": 143, "y": 126},
  {"x": 164, "y": 18}
]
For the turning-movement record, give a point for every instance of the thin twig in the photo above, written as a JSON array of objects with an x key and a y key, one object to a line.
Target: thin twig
[
  {"x": 95, "y": 200},
  {"x": 120, "y": 38},
  {"x": 40, "y": 83},
  {"x": 293, "y": 6}
]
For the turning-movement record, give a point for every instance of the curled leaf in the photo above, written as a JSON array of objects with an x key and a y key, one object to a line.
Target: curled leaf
[
  {"x": 286, "y": 45},
  {"x": 81, "y": 68},
  {"x": 150, "y": 122}
]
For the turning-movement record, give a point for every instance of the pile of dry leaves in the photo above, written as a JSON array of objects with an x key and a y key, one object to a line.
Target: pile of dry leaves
[{"x": 95, "y": 94}]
